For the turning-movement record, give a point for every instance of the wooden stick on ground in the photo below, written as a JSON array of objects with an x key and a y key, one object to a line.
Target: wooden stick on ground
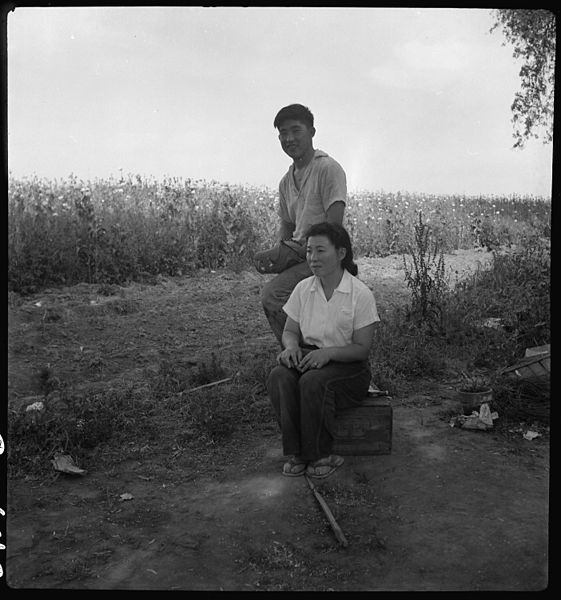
[
  {"x": 334, "y": 525},
  {"x": 200, "y": 387}
]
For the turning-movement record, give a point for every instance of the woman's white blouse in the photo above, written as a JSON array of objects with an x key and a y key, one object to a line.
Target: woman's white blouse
[{"x": 331, "y": 323}]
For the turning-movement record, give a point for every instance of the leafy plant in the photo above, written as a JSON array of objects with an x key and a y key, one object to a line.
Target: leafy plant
[
  {"x": 425, "y": 277},
  {"x": 532, "y": 34},
  {"x": 474, "y": 384}
]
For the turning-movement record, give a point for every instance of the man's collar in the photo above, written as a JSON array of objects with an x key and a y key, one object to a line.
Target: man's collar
[{"x": 317, "y": 154}]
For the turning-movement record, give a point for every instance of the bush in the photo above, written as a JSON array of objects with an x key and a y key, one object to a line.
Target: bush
[
  {"x": 425, "y": 276},
  {"x": 114, "y": 231},
  {"x": 515, "y": 294},
  {"x": 404, "y": 351},
  {"x": 487, "y": 321}
]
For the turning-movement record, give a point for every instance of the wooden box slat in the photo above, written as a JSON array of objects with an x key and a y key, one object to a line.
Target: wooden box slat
[{"x": 365, "y": 430}]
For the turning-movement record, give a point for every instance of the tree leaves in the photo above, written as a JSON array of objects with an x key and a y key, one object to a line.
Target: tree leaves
[{"x": 532, "y": 34}]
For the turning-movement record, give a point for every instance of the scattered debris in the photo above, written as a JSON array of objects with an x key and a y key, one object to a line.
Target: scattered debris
[
  {"x": 65, "y": 464},
  {"x": 530, "y": 432},
  {"x": 538, "y": 350},
  {"x": 375, "y": 391},
  {"x": 38, "y": 406},
  {"x": 482, "y": 420},
  {"x": 536, "y": 364},
  {"x": 491, "y": 322},
  {"x": 35, "y": 411}
]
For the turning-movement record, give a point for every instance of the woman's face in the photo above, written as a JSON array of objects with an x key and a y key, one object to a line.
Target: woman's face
[{"x": 322, "y": 256}]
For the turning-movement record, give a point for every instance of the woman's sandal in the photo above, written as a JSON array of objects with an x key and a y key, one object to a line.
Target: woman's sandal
[
  {"x": 324, "y": 466},
  {"x": 294, "y": 467}
]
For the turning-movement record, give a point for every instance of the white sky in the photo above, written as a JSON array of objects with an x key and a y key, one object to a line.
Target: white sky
[{"x": 410, "y": 99}]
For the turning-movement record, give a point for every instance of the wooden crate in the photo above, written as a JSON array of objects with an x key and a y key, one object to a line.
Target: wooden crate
[
  {"x": 538, "y": 367},
  {"x": 366, "y": 429}
]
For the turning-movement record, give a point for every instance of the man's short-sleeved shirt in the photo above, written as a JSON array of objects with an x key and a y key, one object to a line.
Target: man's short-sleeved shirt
[
  {"x": 331, "y": 323},
  {"x": 323, "y": 183}
]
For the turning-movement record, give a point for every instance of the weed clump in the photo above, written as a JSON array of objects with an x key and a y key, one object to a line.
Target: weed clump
[
  {"x": 75, "y": 424},
  {"x": 499, "y": 312},
  {"x": 518, "y": 399},
  {"x": 483, "y": 323},
  {"x": 425, "y": 277}
]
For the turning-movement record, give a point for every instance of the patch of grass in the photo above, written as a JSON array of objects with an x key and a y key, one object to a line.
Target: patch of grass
[
  {"x": 211, "y": 415},
  {"x": 345, "y": 494},
  {"x": 123, "y": 420},
  {"x": 403, "y": 351},
  {"x": 123, "y": 306},
  {"x": 75, "y": 424},
  {"x": 516, "y": 292},
  {"x": 75, "y": 568},
  {"x": 513, "y": 294},
  {"x": 277, "y": 555},
  {"x": 172, "y": 377},
  {"x": 208, "y": 371}
]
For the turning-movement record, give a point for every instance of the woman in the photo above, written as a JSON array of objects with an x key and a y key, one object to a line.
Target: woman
[{"x": 324, "y": 362}]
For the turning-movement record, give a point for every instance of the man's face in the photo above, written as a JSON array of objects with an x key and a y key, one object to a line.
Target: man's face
[{"x": 296, "y": 138}]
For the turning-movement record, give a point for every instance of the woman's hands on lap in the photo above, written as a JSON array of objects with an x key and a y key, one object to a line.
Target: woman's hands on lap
[
  {"x": 316, "y": 359},
  {"x": 292, "y": 358}
]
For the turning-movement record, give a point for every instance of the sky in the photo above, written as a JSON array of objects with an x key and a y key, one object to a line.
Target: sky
[{"x": 405, "y": 99}]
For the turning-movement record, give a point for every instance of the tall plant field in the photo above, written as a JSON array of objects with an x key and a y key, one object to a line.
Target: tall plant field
[{"x": 118, "y": 230}]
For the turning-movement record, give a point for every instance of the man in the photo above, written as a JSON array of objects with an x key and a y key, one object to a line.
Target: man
[{"x": 313, "y": 190}]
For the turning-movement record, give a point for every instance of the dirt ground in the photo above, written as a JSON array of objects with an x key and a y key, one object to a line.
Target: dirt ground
[{"x": 447, "y": 510}]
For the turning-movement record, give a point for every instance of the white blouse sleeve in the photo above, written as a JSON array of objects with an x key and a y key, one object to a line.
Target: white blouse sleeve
[
  {"x": 366, "y": 311},
  {"x": 293, "y": 305}
]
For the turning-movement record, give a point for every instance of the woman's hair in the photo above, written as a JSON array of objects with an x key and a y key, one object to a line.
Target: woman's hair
[
  {"x": 339, "y": 237},
  {"x": 296, "y": 112}
]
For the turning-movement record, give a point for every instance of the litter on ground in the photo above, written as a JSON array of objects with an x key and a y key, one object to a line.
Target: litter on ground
[
  {"x": 65, "y": 464},
  {"x": 482, "y": 420},
  {"x": 530, "y": 435}
]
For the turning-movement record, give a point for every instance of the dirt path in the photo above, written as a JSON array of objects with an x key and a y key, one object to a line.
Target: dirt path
[{"x": 448, "y": 509}]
